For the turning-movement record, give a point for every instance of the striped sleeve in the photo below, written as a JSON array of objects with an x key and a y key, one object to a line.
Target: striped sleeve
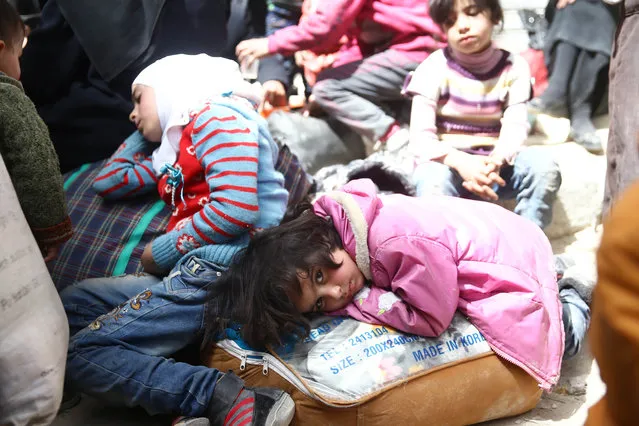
[
  {"x": 226, "y": 144},
  {"x": 129, "y": 171}
]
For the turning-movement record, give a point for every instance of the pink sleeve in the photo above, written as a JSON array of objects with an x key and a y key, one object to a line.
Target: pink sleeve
[
  {"x": 416, "y": 289},
  {"x": 319, "y": 31}
]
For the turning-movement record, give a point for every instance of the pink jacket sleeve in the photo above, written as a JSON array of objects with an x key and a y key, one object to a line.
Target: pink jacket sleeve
[
  {"x": 415, "y": 287},
  {"x": 320, "y": 31}
]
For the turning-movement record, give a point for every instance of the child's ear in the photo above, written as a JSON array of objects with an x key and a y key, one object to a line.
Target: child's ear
[{"x": 2, "y": 45}]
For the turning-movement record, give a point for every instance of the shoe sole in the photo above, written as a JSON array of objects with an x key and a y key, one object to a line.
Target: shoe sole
[
  {"x": 282, "y": 412},
  {"x": 199, "y": 421}
]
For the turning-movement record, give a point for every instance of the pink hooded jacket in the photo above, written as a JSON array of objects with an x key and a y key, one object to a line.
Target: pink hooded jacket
[
  {"x": 429, "y": 256},
  {"x": 372, "y": 25}
]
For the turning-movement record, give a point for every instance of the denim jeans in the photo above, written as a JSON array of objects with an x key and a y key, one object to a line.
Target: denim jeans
[
  {"x": 576, "y": 319},
  {"x": 119, "y": 351},
  {"x": 533, "y": 180}
]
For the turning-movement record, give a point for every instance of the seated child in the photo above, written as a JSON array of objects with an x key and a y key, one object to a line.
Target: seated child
[
  {"x": 202, "y": 145},
  {"x": 469, "y": 117},
  {"x": 387, "y": 39},
  {"x": 26, "y": 148},
  {"x": 410, "y": 263}
]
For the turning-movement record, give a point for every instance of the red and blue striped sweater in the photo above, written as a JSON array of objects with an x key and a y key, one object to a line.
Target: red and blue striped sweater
[{"x": 229, "y": 187}]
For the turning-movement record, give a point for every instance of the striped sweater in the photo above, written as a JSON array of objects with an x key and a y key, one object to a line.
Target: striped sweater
[
  {"x": 470, "y": 101},
  {"x": 230, "y": 186}
]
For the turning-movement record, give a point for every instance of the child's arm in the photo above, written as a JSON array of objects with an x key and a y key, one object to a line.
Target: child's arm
[
  {"x": 514, "y": 124},
  {"x": 226, "y": 145},
  {"x": 320, "y": 31},
  {"x": 34, "y": 169},
  {"x": 425, "y": 86},
  {"x": 129, "y": 171},
  {"x": 418, "y": 291}
]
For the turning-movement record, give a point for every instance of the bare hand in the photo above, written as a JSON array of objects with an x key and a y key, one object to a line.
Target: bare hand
[
  {"x": 563, "y": 3},
  {"x": 484, "y": 192},
  {"x": 493, "y": 170},
  {"x": 51, "y": 253},
  {"x": 252, "y": 49},
  {"x": 478, "y": 172},
  {"x": 274, "y": 93},
  {"x": 148, "y": 263}
]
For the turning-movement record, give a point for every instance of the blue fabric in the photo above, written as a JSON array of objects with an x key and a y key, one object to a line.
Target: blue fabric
[
  {"x": 533, "y": 180},
  {"x": 119, "y": 351},
  {"x": 233, "y": 199},
  {"x": 576, "y": 319}
]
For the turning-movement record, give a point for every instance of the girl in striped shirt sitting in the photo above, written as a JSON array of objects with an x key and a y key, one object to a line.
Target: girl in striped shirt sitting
[
  {"x": 469, "y": 117},
  {"x": 201, "y": 144}
]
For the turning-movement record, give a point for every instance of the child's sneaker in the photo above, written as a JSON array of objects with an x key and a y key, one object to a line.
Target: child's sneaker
[
  {"x": 396, "y": 139},
  {"x": 582, "y": 278},
  {"x": 563, "y": 262},
  {"x": 234, "y": 405},
  {"x": 191, "y": 421}
]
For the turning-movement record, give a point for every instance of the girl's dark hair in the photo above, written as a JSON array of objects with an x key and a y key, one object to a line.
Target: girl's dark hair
[
  {"x": 11, "y": 25},
  {"x": 255, "y": 293},
  {"x": 441, "y": 10}
]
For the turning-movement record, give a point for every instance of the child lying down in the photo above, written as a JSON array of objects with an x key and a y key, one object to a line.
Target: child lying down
[{"x": 410, "y": 263}]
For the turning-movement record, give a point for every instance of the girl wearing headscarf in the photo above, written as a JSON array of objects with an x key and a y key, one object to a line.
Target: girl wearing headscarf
[{"x": 202, "y": 145}]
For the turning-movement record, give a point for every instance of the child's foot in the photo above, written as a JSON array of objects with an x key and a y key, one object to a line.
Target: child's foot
[
  {"x": 589, "y": 140},
  {"x": 394, "y": 140},
  {"x": 576, "y": 320},
  {"x": 234, "y": 405},
  {"x": 562, "y": 262},
  {"x": 191, "y": 421},
  {"x": 556, "y": 108},
  {"x": 581, "y": 279}
]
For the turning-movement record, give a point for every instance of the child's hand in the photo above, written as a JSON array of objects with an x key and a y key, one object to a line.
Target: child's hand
[
  {"x": 478, "y": 172},
  {"x": 148, "y": 264},
  {"x": 493, "y": 170},
  {"x": 252, "y": 49},
  {"x": 51, "y": 253},
  {"x": 274, "y": 94}
]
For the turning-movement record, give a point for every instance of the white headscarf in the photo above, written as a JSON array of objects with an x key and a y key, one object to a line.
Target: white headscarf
[{"x": 182, "y": 84}]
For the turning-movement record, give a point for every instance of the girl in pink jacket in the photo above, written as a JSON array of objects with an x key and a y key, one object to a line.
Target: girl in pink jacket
[
  {"x": 387, "y": 39},
  {"x": 410, "y": 263}
]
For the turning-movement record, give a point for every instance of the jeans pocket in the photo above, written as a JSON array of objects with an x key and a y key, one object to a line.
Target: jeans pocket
[{"x": 193, "y": 274}]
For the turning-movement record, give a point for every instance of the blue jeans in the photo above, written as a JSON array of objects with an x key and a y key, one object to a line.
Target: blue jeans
[
  {"x": 533, "y": 180},
  {"x": 118, "y": 350},
  {"x": 576, "y": 319}
]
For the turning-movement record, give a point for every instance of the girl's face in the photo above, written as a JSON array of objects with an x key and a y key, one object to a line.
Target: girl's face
[
  {"x": 328, "y": 290},
  {"x": 469, "y": 29},
  {"x": 145, "y": 113}
]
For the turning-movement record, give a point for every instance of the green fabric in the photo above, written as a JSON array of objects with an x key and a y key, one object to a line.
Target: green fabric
[
  {"x": 136, "y": 236},
  {"x": 32, "y": 162}
]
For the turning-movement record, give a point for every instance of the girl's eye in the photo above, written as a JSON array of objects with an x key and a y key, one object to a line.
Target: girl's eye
[
  {"x": 319, "y": 276},
  {"x": 472, "y": 11},
  {"x": 319, "y": 304}
]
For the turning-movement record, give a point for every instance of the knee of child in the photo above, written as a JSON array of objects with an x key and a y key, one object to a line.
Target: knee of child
[{"x": 324, "y": 90}]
